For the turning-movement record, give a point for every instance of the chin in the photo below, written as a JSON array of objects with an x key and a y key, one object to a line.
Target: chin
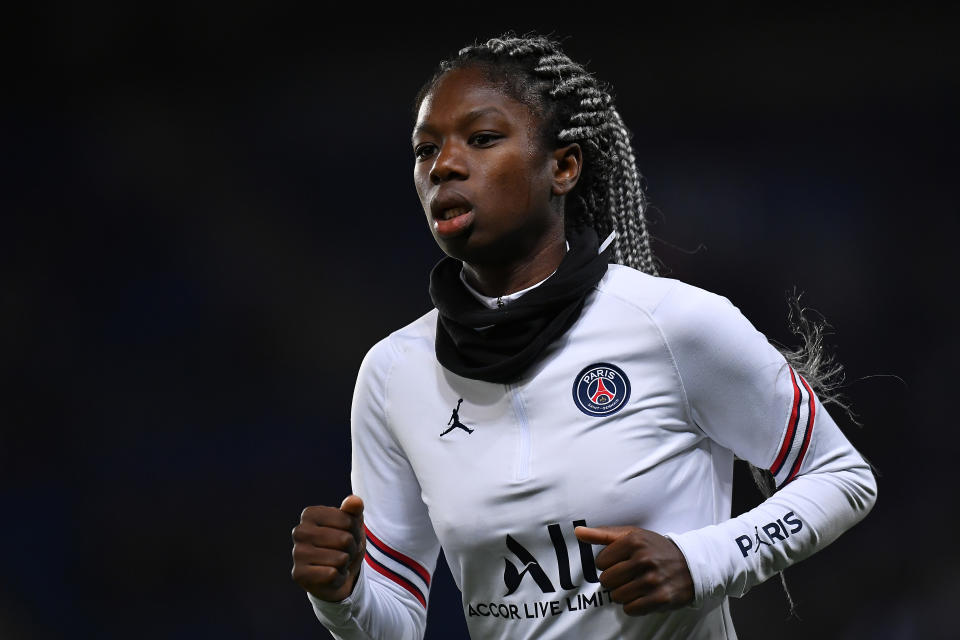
[{"x": 459, "y": 248}]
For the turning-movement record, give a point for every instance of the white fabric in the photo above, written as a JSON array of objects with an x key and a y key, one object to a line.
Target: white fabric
[
  {"x": 704, "y": 386},
  {"x": 493, "y": 302}
]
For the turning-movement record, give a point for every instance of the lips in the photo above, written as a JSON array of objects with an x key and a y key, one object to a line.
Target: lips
[{"x": 452, "y": 214}]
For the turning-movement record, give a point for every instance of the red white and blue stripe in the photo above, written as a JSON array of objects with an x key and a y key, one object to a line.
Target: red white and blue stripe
[
  {"x": 402, "y": 569},
  {"x": 796, "y": 437}
]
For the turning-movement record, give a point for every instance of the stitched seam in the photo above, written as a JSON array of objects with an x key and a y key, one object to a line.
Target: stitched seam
[{"x": 666, "y": 345}]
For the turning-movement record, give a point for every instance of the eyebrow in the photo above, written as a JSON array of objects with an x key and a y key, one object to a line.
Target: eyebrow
[{"x": 466, "y": 119}]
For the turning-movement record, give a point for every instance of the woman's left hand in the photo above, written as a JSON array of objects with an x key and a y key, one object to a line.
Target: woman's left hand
[{"x": 644, "y": 571}]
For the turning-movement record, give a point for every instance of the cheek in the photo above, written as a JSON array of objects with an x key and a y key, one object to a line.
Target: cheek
[
  {"x": 516, "y": 185},
  {"x": 418, "y": 182},
  {"x": 529, "y": 188}
]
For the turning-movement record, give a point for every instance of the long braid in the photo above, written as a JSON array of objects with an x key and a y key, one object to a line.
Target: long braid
[{"x": 617, "y": 192}]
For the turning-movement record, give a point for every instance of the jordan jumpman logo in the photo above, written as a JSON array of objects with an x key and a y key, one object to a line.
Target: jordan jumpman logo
[{"x": 455, "y": 421}]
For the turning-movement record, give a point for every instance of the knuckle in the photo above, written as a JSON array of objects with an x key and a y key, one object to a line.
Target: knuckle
[
  {"x": 636, "y": 566},
  {"x": 330, "y": 576},
  {"x": 297, "y": 574},
  {"x": 641, "y": 562},
  {"x": 346, "y": 541}
]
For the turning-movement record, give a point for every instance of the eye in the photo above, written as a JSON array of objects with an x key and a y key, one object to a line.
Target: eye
[
  {"x": 424, "y": 151},
  {"x": 484, "y": 138}
]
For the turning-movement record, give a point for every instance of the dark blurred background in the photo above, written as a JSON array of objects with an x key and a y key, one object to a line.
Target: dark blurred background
[{"x": 209, "y": 217}]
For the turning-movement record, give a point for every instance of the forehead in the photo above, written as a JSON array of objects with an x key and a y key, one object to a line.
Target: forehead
[{"x": 462, "y": 92}]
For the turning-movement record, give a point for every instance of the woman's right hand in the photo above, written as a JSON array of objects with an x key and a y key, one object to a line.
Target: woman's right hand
[{"x": 328, "y": 549}]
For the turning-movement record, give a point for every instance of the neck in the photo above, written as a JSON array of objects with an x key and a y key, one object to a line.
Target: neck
[{"x": 500, "y": 279}]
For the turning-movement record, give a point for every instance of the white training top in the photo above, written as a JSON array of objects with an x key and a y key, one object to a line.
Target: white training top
[{"x": 632, "y": 417}]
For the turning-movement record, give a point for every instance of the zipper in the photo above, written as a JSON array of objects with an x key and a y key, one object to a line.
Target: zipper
[{"x": 523, "y": 444}]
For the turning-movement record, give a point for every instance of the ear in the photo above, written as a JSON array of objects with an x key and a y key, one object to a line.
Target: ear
[{"x": 567, "y": 164}]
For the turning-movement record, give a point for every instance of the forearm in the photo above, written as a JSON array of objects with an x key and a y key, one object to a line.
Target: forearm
[
  {"x": 729, "y": 558},
  {"x": 389, "y": 600}
]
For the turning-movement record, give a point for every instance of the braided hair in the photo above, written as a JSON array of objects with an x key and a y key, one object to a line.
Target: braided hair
[{"x": 574, "y": 108}]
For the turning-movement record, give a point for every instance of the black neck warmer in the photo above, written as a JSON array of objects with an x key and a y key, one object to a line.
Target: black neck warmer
[{"x": 510, "y": 339}]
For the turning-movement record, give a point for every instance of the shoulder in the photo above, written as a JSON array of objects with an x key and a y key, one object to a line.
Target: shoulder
[
  {"x": 696, "y": 325},
  {"x": 416, "y": 337},
  {"x": 665, "y": 300}
]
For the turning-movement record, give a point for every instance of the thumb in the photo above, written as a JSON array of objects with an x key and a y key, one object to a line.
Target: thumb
[
  {"x": 601, "y": 535},
  {"x": 352, "y": 505}
]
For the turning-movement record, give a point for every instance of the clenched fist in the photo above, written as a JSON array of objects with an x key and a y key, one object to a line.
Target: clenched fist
[
  {"x": 328, "y": 549},
  {"x": 644, "y": 571}
]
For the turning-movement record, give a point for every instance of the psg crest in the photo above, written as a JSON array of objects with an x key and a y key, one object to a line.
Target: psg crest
[{"x": 601, "y": 389}]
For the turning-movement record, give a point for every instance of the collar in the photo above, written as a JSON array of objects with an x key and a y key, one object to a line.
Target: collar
[
  {"x": 499, "y": 345},
  {"x": 499, "y": 301}
]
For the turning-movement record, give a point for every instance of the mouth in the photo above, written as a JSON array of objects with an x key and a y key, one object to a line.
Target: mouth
[
  {"x": 452, "y": 212},
  {"x": 453, "y": 222},
  {"x": 452, "y": 215}
]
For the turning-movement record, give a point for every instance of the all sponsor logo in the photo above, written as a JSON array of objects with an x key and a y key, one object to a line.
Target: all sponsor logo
[
  {"x": 513, "y": 574},
  {"x": 601, "y": 389},
  {"x": 521, "y": 566}
]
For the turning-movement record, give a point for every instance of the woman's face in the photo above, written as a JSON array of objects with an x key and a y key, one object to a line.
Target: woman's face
[{"x": 487, "y": 185}]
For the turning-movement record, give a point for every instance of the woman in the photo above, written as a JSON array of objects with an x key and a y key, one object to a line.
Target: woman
[{"x": 554, "y": 402}]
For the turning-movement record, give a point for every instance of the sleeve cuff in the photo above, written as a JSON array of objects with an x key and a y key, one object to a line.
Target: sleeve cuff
[
  {"x": 338, "y": 614},
  {"x": 703, "y": 566}
]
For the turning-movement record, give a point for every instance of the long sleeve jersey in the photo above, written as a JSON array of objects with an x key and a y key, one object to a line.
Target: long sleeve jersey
[{"x": 633, "y": 417}]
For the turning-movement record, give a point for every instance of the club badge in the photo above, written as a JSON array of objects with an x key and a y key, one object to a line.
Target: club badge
[{"x": 601, "y": 389}]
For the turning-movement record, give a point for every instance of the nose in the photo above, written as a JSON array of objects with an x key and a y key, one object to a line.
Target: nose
[{"x": 449, "y": 164}]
